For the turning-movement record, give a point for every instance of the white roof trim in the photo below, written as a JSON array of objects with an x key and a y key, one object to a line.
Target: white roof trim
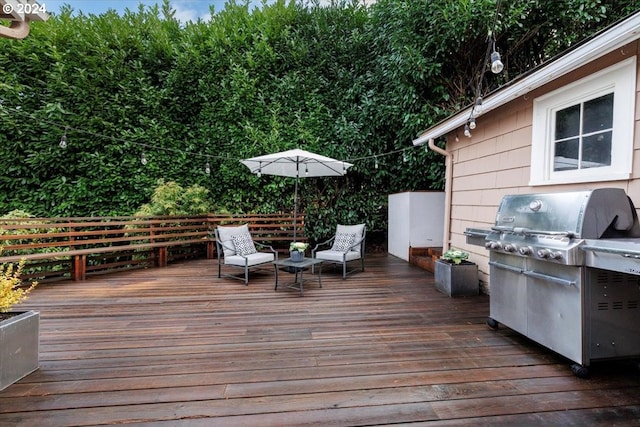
[{"x": 615, "y": 38}]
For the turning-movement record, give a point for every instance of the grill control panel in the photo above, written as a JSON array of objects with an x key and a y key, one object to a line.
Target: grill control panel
[{"x": 557, "y": 249}]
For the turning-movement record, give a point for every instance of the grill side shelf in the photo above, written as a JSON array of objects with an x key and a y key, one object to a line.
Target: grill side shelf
[
  {"x": 476, "y": 236},
  {"x": 624, "y": 253}
]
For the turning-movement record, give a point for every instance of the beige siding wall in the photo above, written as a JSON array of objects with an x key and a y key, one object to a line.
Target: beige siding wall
[{"x": 496, "y": 160}]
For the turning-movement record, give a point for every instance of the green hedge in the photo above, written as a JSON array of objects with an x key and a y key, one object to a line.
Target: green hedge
[{"x": 349, "y": 81}]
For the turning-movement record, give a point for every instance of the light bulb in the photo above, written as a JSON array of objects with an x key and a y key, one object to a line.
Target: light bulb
[
  {"x": 376, "y": 163},
  {"x": 496, "y": 64},
  {"x": 404, "y": 157},
  {"x": 467, "y": 132},
  {"x": 259, "y": 173},
  {"x": 143, "y": 159},
  {"x": 63, "y": 141},
  {"x": 477, "y": 108},
  {"x": 207, "y": 168},
  {"x": 472, "y": 123},
  {"x": 306, "y": 170}
]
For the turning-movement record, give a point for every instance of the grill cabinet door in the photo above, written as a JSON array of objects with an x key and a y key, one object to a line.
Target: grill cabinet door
[
  {"x": 613, "y": 302},
  {"x": 554, "y": 308},
  {"x": 508, "y": 300}
]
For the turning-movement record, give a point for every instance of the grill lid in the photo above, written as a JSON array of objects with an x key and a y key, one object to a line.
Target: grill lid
[{"x": 590, "y": 214}]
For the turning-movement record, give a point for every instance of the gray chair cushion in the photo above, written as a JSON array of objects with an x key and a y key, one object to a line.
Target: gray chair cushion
[
  {"x": 225, "y": 234},
  {"x": 250, "y": 260},
  {"x": 331, "y": 255}
]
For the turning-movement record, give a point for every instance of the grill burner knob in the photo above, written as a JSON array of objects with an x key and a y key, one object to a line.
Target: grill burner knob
[
  {"x": 544, "y": 253},
  {"x": 495, "y": 245},
  {"x": 510, "y": 247},
  {"x": 555, "y": 255},
  {"x": 525, "y": 250}
]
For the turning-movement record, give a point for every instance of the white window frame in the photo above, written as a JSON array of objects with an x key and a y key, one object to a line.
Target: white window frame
[{"x": 619, "y": 79}]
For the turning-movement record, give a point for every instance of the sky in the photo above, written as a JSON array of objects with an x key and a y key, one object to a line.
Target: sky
[{"x": 186, "y": 10}]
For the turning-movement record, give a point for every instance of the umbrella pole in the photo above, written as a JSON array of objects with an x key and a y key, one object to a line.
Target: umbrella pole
[{"x": 295, "y": 210}]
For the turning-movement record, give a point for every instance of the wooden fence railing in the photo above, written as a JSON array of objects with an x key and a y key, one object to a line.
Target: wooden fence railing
[{"x": 73, "y": 248}]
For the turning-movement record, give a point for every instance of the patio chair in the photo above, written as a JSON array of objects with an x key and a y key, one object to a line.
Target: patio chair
[
  {"x": 236, "y": 248},
  {"x": 347, "y": 245}
]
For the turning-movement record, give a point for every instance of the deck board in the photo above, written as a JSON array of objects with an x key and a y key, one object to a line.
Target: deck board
[{"x": 178, "y": 346}]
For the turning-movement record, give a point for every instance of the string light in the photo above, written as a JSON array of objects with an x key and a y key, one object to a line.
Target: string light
[
  {"x": 207, "y": 168},
  {"x": 472, "y": 122},
  {"x": 477, "y": 108},
  {"x": 492, "y": 59},
  {"x": 259, "y": 170},
  {"x": 63, "y": 140},
  {"x": 306, "y": 170},
  {"x": 496, "y": 63}
]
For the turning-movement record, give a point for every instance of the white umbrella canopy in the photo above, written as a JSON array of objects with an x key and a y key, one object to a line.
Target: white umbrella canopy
[
  {"x": 299, "y": 164},
  {"x": 296, "y": 163}
]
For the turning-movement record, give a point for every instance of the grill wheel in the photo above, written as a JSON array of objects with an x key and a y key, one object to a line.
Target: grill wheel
[
  {"x": 580, "y": 371},
  {"x": 492, "y": 323}
]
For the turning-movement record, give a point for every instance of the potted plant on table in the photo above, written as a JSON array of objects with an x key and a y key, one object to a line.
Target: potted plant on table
[
  {"x": 19, "y": 331},
  {"x": 296, "y": 251},
  {"x": 455, "y": 275}
]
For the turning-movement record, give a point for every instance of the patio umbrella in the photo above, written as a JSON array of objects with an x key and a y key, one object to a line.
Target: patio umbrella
[{"x": 299, "y": 164}]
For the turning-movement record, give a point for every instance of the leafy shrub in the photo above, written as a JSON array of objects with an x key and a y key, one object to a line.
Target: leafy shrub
[
  {"x": 11, "y": 291},
  {"x": 171, "y": 198}
]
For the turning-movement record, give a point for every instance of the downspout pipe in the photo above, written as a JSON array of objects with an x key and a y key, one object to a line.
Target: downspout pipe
[{"x": 446, "y": 241}]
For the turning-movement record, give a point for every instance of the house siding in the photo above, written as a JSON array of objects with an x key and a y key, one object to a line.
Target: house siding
[{"x": 496, "y": 161}]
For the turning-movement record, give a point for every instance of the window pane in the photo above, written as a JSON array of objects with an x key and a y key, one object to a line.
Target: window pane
[
  {"x": 596, "y": 150},
  {"x": 568, "y": 122},
  {"x": 566, "y": 157},
  {"x": 598, "y": 114}
]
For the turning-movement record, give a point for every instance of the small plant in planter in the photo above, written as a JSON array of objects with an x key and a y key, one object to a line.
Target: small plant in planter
[
  {"x": 455, "y": 275},
  {"x": 19, "y": 331},
  {"x": 296, "y": 250},
  {"x": 455, "y": 256},
  {"x": 298, "y": 246}
]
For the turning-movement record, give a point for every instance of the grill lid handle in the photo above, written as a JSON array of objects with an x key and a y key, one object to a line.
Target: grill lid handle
[{"x": 527, "y": 231}]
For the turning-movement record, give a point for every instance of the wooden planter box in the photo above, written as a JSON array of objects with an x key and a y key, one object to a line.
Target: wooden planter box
[
  {"x": 19, "y": 340},
  {"x": 457, "y": 279}
]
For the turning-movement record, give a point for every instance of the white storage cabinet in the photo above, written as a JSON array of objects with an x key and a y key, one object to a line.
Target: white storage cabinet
[{"x": 416, "y": 219}]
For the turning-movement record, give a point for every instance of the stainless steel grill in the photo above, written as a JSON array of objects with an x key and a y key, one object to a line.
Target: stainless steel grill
[{"x": 565, "y": 272}]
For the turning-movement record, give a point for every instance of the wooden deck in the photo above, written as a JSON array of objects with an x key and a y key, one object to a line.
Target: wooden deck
[{"x": 179, "y": 347}]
